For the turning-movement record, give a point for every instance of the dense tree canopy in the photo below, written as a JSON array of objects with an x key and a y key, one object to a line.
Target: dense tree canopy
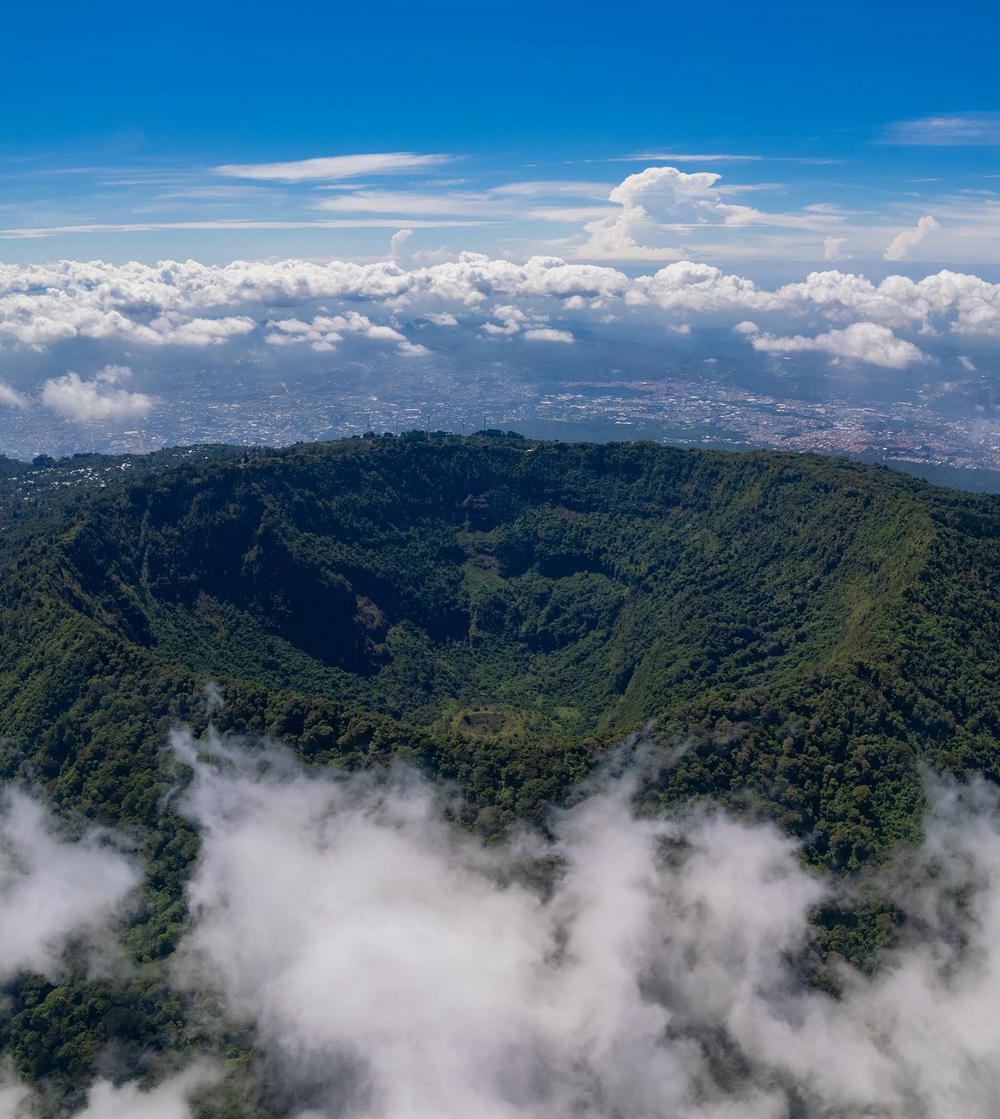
[{"x": 801, "y": 635}]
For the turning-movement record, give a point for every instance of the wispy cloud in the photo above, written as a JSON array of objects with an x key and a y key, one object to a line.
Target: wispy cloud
[
  {"x": 552, "y": 187},
  {"x": 951, "y": 129},
  {"x": 690, "y": 157},
  {"x": 332, "y": 167},
  {"x": 454, "y": 203},
  {"x": 504, "y": 202},
  {"x": 720, "y": 157},
  {"x": 226, "y": 223}
]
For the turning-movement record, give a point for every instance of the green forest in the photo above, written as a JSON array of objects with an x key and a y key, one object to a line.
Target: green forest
[{"x": 802, "y": 637}]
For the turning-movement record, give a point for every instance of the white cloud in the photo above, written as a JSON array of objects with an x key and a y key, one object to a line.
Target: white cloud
[
  {"x": 441, "y": 318},
  {"x": 493, "y": 204},
  {"x": 325, "y": 331},
  {"x": 690, "y": 157},
  {"x": 656, "y": 969},
  {"x": 53, "y": 889},
  {"x": 399, "y": 238},
  {"x": 511, "y": 320},
  {"x": 536, "y": 187},
  {"x": 967, "y": 363},
  {"x": 333, "y": 167},
  {"x": 96, "y": 399},
  {"x": 15, "y": 1100},
  {"x": 173, "y": 329},
  {"x": 548, "y": 334},
  {"x": 662, "y": 203},
  {"x": 412, "y": 349},
  {"x": 169, "y": 1099},
  {"x": 174, "y": 303},
  {"x": 901, "y": 244},
  {"x": 950, "y": 130},
  {"x": 23, "y": 233},
  {"x": 746, "y": 327},
  {"x": 649, "y": 200},
  {"x": 862, "y": 341},
  {"x": 832, "y": 248},
  {"x": 11, "y": 397},
  {"x": 447, "y": 203}
]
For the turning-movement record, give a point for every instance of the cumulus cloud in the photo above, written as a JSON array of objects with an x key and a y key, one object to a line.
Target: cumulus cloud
[
  {"x": 908, "y": 239},
  {"x": 832, "y": 248},
  {"x": 661, "y": 203},
  {"x": 332, "y": 167},
  {"x": 412, "y": 349},
  {"x": 195, "y": 304},
  {"x": 620, "y": 965},
  {"x": 649, "y": 200},
  {"x": 325, "y": 331},
  {"x": 862, "y": 341},
  {"x": 511, "y": 320},
  {"x": 548, "y": 334},
  {"x": 441, "y": 318},
  {"x": 399, "y": 239},
  {"x": 172, "y": 328},
  {"x": 96, "y": 399},
  {"x": 54, "y": 890},
  {"x": 11, "y": 398},
  {"x": 967, "y": 363}
]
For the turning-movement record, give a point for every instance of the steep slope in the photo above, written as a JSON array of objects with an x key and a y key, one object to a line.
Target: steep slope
[{"x": 800, "y": 624}]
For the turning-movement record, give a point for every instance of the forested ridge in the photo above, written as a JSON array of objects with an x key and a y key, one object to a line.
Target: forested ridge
[{"x": 802, "y": 636}]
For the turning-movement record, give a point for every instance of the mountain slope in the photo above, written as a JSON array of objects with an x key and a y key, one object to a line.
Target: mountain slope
[
  {"x": 799, "y": 623},
  {"x": 803, "y": 634}
]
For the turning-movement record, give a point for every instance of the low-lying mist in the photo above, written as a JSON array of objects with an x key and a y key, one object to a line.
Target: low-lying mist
[{"x": 615, "y": 967}]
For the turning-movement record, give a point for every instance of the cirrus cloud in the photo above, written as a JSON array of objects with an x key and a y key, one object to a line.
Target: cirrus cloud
[{"x": 332, "y": 167}]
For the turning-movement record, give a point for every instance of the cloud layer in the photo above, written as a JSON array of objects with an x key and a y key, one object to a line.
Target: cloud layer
[
  {"x": 195, "y": 305},
  {"x": 626, "y": 966},
  {"x": 619, "y": 964}
]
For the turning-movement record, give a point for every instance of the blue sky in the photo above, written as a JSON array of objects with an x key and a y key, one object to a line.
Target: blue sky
[
  {"x": 851, "y": 123},
  {"x": 396, "y": 183}
]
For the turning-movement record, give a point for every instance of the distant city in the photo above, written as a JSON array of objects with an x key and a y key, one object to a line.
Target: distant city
[{"x": 244, "y": 404}]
